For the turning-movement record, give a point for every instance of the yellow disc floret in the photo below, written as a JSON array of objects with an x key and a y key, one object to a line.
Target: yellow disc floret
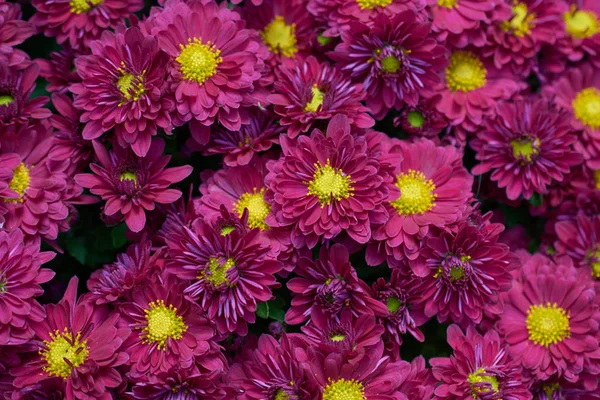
[
  {"x": 217, "y": 271},
  {"x": 343, "y": 389},
  {"x": 480, "y": 376},
  {"x": 547, "y": 324},
  {"x": 81, "y": 6},
  {"x": 63, "y": 353},
  {"x": 20, "y": 182},
  {"x": 416, "y": 193},
  {"x": 329, "y": 183},
  {"x": 525, "y": 149},
  {"x": 130, "y": 86},
  {"x": 281, "y": 395},
  {"x": 6, "y": 99},
  {"x": 465, "y": 72},
  {"x": 162, "y": 323},
  {"x": 128, "y": 175},
  {"x": 447, "y": 3},
  {"x": 597, "y": 179},
  {"x": 280, "y": 37},
  {"x": 372, "y": 4},
  {"x": 581, "y": 24},
  {"x": 316, "y": 101},
  {"x": 198, "y": 61},
  {"x": 257, "y": 207},
  {"x": 586, "y": 107},
  {"x": 521, "y": 22}
]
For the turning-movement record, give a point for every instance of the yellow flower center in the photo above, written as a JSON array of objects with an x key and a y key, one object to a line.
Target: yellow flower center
[
  {"x": 343, "y": 389},
  {"x": 520, "y": 24},
  {"x": 130, "y": 86},
  {"x": 281, "y": 395},
  {"x": 3, "y": 286},
  {"x": 280, "y": 37},
  {"x": 218, "y": 271},
  {"x": 547, "y": 324},
  {"x": 390, "y": 64},
  {"x": 393, "y": 304},
  {"x": 586, "y": 107},
  {"x": 316, "y": 101},
  {"x": 20, "y": 182},
  {"x": 370, "y": 5},
  {"x": 329, "y": 183},
  {"x": 465, "y": 72},
  {"x": 550, "y": 388},
  {"x": 525, "y": 149},
  {"x": 63, "y": 353},
  {"x": 128, "y": 175},
  {"x": 416, "y": 193},
  {"x": 338, "y": 337},
  {"x": 198, "y": 61},
  {"x": 447, "y": 3},
  {"x": 81, "y": 6},
  {"x": 581, "y": 24},
  {"x": 258, "y": 208},
  {"x": 457, "y": 273},
  {"x": 226, "y": 230},
  {"x": 480, "y": 377},
  {"x": 162, "y": 322},
  {"x": 415, "y": 119},
  {"x": 597, "y": 178},
  {"x": 6, "y": 99}
]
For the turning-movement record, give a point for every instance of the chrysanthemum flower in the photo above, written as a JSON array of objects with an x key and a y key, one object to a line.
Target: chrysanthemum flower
[
  {"x": 190, "y": 383},
  {"x": 480, "y": 367},
  {"x": 434, "y": 192},
  {"x": 20, "y": 278},
  {"x": 418, "y": 382},
  {"x": 421, "y": 120},
  {"x": 79, "y": 343},
  {"x": 327, "y": 184},
  {"x": 216, "y": 63},
  {"x": 311, "y": 92},
  {"x": 79, "y": 22},
  {"x": 551, "y": 320},
  {"x": 230, "y": 272},
  {"x": 554, "y": 389},
  {"x": 59, "y": 71},
  {"x": 47, "y": 389},
  {"x": 579, "y": 238},
  {"x": 167, "y": 330},
  {"x": 124, "y": 85},
  {"x": 526, "y": 147},
  {"x": 272, "y": 371},
  {"x": 131, "y": 185},
  {"x": 13, "y": 31},
  {"x": 396, "y": 58},
  {"x": 329, "y": 285}
]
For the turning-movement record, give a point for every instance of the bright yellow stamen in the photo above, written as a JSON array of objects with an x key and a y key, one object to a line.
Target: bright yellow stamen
[
  {"x": 465, "y": 72},
  {"x": 390, "y": 64},
  {"x": 62, "y": 348},
  {"x": 581, "y": 24},
  {"x": 480, "y": 377},
  {"x": 343, "y": 389},
  {"x": 372, "y": 4},
  {"x": 416, "y": 193},
  {"x": 547, "y": 324},
  {"x": 524, "y": 150},
  {"x": 520, "y": 24},
  {"x": 316, "y": 101},
  {"x": 218, "y": 271},
  {"x": 597, "y": 178},
  {"x": 20, "y": 182},
  {"x": 81, "y": 6},
  {"x": 258, "y": 208},
  {"x": 198, "y": 61},
  {"x": 329, "y": 183},
  {"x": 130, "y": 86},
  {"x": 162, "y": 323},
  {"x": 281, "y": 395},
  {"x": 586, "y": 107},
  {"x": 393, "y": 305},
  {"x": 226, "y": 230},
  {"x": 447, "y": 3},
  {"x": 280, "y": 37},
  {"x": 128, "y": 176},
  {"x": 6, "y": 100},
  {"x": 338, "y": 338}
]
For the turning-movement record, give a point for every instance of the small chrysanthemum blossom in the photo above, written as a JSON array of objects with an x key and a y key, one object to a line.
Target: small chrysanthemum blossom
[
  {"x": 394, "y": 57},
  {"x": 480, "y": 367},
  {"x": 515, "y": 42},
  {"x": 471, "y": 88},
  {"x": 579, "y": 238},
  {"x": 329, "y": 285},
  {"x": 526, "y": 146},
  {"x": 59, "y": 71},
  {"x": 132, "y": 185},
  {"x": 13, "y": 32},
  {"x": 271, "y": 371},
  {"x": 216, "y": 63},
  {"x": 560, "y": 389},
  {"x": 77, "y": 23},
  {"x": 20, "y": 278},
  {"x": 124, "y": 86},
  {"x": 230, "y": 272},
  {"x": 421, "y": 120},
  {"x": 327, "y": 184},
  {"x": 190, "y": 382},
  {"x": 435, "y": 190},
  {"x": 310, "y": 92},
  {"x": 167, "y": 330},
  {"x": 79, "y": 343},
  {"x": 578, "y": 91},
  {"x": 551, "y": 320}
]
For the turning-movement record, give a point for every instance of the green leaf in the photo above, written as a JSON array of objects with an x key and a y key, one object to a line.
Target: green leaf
[
  {"x": 536, "y": 200},
  {"x": 118, "y": 236},
  {"x": 262, "y": 310},
  {"x": 77, "y": 249}
]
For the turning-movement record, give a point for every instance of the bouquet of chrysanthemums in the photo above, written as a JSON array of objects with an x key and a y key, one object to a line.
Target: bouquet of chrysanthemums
[{"x": 300, "y": 199}]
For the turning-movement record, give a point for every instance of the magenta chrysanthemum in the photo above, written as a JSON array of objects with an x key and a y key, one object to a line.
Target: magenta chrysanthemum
[
  {"x": 59, "y": 71},
  {"x": 422, "y": 119},
  {"x": 579, "y": 238},
  {"x": 13, "y": 31},
  {"x": 190, "y": 383}
]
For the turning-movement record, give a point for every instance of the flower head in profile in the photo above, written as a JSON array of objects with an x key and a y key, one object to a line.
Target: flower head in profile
[
  {"x": 60, "y": 70},
  {"x": 421, "y": 120},
  {"x": 131, "y": 185}
]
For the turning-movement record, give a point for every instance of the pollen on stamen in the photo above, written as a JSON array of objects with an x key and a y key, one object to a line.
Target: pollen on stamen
[
  {"x": 586, "y": 107},
  {"x": 198, "y": 60},
  {"x": 162, "y": 323},
  {"x": 416, "y": 193},
  {"x": 547, "y": 324},
  {"x": 372, "y": 4},
  {"x": 63, "y": 353},
  {"x": 280, "y": 37},
  {"x": 329, "y": 184},
  {"x": 258, "y": 208},
  {"x": 465, "y": 72},
  {"x": 342, "y": 389}
]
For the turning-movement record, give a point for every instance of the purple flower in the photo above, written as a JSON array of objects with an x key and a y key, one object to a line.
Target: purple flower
[
  {"x": 190, "y": 383},
  {"x": 60, "y": 70},
  {"x": 13, "y": 31}
]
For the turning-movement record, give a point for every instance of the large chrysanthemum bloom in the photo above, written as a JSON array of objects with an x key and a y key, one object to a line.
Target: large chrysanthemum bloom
[
  {"x": 480, "y": 367},
  {"x": 515, "y": 42},
  {"x": 526, "y": 146},
  {"x": 13, "y": 31},
  {"x": 167, "y": 330},
  {"x": 79, "y": 343},
  {"x": 238, "y": 147},
  {"x": 124, "y": 86},
  {"x": 231, "y": 272},
  {"x": 329, "y": 285},
  {"x": 311, "y": 92},
  {"x": 578, "y": 91},
  {"x": 60, "y": 70},
  {"x": 551, "y": 321},
  {"x": 20, "y": 278},
  {"x": 327, "y": 184},
  {"x": 470, "y": 90},
  {"x": 435, "y": 190},
  {"x": 399, "y": 295},
  {"x": 216, "y": 64},
  {"x": 579, "y": 238},
  {"x": 132, "y": 185},
  {"x": 78, "y": 22},
  {"x": 113, "y": 282},
  {"x": 396, "y": 58},
  {"x": 16, "y": 109},
  {"x": 421, "y": 120},
  {"x": 272, "y": 372}
]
